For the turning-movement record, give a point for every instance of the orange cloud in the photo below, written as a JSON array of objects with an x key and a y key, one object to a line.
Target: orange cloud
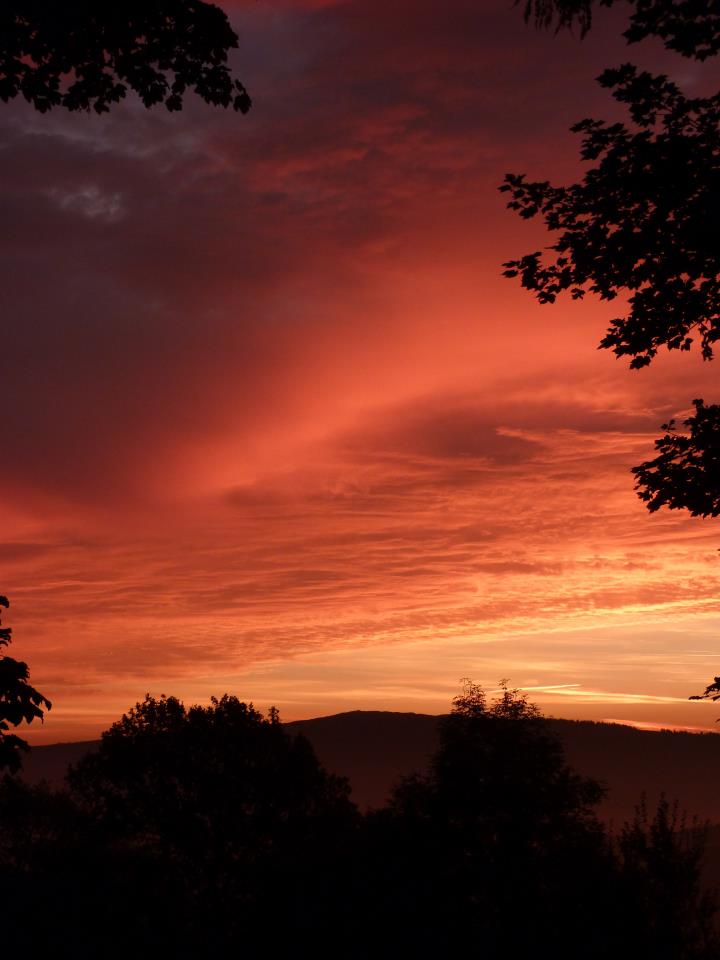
[{"x": 277, "y": 423}]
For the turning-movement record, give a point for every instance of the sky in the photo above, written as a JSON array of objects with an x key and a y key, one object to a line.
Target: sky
[{"x": 273, "y": 422}]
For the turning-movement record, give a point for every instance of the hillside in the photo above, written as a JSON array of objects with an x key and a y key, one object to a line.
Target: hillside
[
  {"x": 374, "y": 748},
  {"x": 51, "y": 762}
]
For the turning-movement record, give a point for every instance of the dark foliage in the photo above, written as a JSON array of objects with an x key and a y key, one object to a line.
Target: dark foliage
[
  {"x": 564, "y": 14},
  {"x": 498, "y": 845},
  {"x": 641, "y": 221},
  {"x": 73, "y": 890},
  {"x": 238, "y": 811},
  {"x": 85, "y": 55},
  {"x": 161, "y": 763},
  {"x": 712, "y": 691},
  {"x": 500, "y": 774},
  {"x": 685, "y": 475},
  {"x": 19, "y": 702},
  {"x": 200, "y": 831},
  {"x": 660, "y": 860},
  {"x": 641, "y": 224},
  {"x": 690, "y": 27},
  {"x": 486, "y": 842}
]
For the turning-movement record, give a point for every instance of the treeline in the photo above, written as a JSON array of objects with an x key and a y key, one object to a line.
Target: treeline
[{"x": 203, "y": 830}]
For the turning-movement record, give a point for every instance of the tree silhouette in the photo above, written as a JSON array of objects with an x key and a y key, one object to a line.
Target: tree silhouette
[
  {"x": 501, "y": 774},
  {"x": 487, "y": 840},
  {"x": 711, "y": 692},
  {"x": 686, "y": 473},
  {"x": 162, "y": 763},
  {"x": 78, "y": 890},
  {"x": 690, "y": 27},
  {"x": 208, "y": 831},
  {"x": 641, "y": 223},
  {"x": 19, "y": 702},
  {"x": 660, "y": 859},
  {"x": 84, "y": 55},
  {"x": 236, "y": 808},
  {"x": 498, "y": 845}
]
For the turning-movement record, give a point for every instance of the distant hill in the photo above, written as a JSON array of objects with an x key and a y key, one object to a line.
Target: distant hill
[
  {"x": 51, "y": 762},
  {"x": 373, "y": 749}
]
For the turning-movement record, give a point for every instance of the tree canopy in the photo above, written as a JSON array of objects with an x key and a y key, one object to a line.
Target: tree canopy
[
  {"x": 690, "y": 27},
  {"x": 500, "y": 822},
  {"x": 498, "y": 844},
  {"x": 641, "y": 220},
  {"x": 83, "y": 55},
  {"x": 19, "y": 702},
  {"x": 162, "y": 763},
  {"x": 233, "y": 810},
  {"x": 212, "y": 830},
  {"x": 685, "y": 475},
  {"x": 501, "y": 774},
  {"x": 641, "y": 225}
]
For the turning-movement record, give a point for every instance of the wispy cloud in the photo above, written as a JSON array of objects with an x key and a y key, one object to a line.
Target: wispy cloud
[{"x": 274, "y": 407}]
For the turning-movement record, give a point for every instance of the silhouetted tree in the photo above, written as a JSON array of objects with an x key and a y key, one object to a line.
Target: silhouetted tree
[
  {"x": 207, "y": 831},
  {"x": 501, "y": 774},
  {"x": 642, "y": 223},
  {"x": 162, "y": 762},
  {"x": 19, "y": 702},
  {"x": 238, "y": 809},
  {"x": 190, "y": 831},
  {"x": 660, "y": 861},
  {"x": 74, "y": 890},
  {"x": 690, "y": 27},
  {"x": 486, "y": 842},
  {"x": 82, "y": 55},
  {"x": 497, "y": 848},
  {"x": 711, "y": 692},
  {"x": 686, "y": 473}
]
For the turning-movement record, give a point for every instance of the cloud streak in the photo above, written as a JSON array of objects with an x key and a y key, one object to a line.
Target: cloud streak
[{"x": 270, "y": 400}]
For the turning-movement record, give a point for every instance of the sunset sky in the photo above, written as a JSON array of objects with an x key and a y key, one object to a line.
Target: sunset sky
[{"x": 274, "y": 424}]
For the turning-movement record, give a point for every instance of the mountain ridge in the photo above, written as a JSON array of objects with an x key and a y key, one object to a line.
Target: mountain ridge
[{"x": 374, "y": 748}]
